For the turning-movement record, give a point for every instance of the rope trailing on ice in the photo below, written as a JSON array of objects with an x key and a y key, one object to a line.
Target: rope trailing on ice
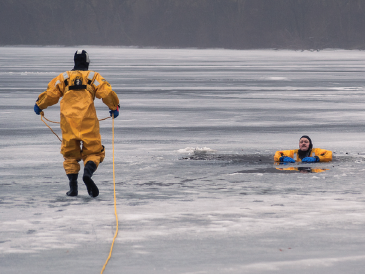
[
  {"x": 115, "y": 207},
  {"x": 115, "y": 199}
]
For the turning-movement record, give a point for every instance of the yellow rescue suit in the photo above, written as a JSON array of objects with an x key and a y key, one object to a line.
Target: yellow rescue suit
[
  {"x": 322, "y": 154},
  {"x": 79, "y": 122}
]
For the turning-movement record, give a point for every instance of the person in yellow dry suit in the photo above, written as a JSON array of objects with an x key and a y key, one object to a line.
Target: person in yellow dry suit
[
  {"x": 81, "y": 138},
  {"x": 306, "y": 153}
]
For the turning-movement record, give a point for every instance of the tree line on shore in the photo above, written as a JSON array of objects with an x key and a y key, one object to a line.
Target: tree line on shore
[{"x": 234, "y": 24}]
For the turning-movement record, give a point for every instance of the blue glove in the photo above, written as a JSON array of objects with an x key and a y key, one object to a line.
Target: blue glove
[
  {"x": 37, "y": 110},
  {"x": 310, "y": 159},
  {"x": 115, "y": 112},
  {"x": 286, "y": 159}
]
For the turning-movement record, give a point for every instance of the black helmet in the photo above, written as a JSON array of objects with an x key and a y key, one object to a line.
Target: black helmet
[{"x": 81, "y": 60}]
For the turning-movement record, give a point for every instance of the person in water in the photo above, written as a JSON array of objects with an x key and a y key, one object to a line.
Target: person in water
[{"x": 306, "y": 153}]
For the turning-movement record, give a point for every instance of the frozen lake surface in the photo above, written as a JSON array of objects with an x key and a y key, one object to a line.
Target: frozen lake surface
[{"x": 197, "y": 190}]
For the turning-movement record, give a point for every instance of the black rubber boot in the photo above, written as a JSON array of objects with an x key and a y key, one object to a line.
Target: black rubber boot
[
  {"x": 73, "y": 185},
  {"x": 89, "y": 170}
]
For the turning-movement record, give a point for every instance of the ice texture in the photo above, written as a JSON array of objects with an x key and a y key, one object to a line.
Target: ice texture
[{"x": 197, "y": 189}]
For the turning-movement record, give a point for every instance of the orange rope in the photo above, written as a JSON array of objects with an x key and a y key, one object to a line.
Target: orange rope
[
  {"x": 105, "y": 118},
  {"x": 115, "y": 208},
  {"x": 42, "y": 116},
  {"x": 115, "y": 199}
]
